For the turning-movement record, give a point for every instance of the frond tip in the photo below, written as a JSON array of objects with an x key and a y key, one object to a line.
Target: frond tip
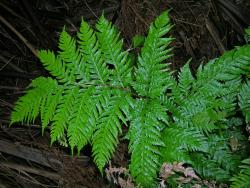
[{"x": 150, "y": 79}]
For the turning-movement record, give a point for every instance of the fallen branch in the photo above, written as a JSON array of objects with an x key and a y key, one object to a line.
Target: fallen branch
[
  {"x": 32, "y": 170},
  {"x": 19, "y": 35},
  {"x": 44, "y": 158}
]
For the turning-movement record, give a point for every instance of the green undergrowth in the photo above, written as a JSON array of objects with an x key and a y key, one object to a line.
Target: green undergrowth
[{"x": 95, "y": 90}]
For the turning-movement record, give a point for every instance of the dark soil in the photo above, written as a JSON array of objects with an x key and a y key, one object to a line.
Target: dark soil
[{"x": 203, "y": 30}]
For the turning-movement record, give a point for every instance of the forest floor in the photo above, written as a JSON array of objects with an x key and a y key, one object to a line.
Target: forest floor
[{"x": 203, "y": 30}]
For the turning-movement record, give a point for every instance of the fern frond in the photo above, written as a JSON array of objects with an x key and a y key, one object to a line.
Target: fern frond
[
  {"x": 69, "y": 53},
  {"x": 220, "y": 152},
  {"x": 28, "y": 106},
  {"x": 242, "y": 180},
  {"x": 186, "y": 80},
  {"x": 90, "y": 49},
  {"x": 55, "y": 66},
  {"x": 63, "y": 114},
  {"x": 151, "y": 80},
  {"x": 49, "y": 105},
  {"x": 82, "y": 120},
  {"x": 209, "y": 169},
  {"x": 228, "y": 67},
  {"x": 180, "y": 141},
  {"x": 244, "y": 100},
  {"x": 145, "y": 140},
  {"x": 185, "y": 138},
  {"x": 111, "y": 46},
  {"x": 105, "y": 138}
]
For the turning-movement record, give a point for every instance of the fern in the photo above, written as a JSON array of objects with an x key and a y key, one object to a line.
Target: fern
[
  {"x": 145, "y": 140},
  {"x": 82, "y": 102},
  {"x": 242, "y": 180},
  {"x": 244, "y": 100},
  {"x": 150, "y": 82},
  {"x": 94, "y": 90}
]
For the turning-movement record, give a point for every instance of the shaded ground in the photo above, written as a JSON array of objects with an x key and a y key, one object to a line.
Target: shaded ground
[{"x": 203, "y": 30}]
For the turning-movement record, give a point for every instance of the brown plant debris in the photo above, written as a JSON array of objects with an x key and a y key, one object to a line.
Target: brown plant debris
[{"x": 119, "y": 176}]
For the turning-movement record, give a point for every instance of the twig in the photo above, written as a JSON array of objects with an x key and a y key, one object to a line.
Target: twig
[
  {"x": 6, "y": 34},
  {"x": 230, "y": 18},
  {"x": 240, "y": 13},
  {"x": 10, "y": 88},
  {"x": 8, "y": 62},
  {"x": 185, "y": 22},
  {"x": 139, "y": 16},
  {"x": 214, "y": 33},
  {"x": 41, "y": 157},
  {"x": 187, "y": 44},
  {"x": 5, "y": 103},
  {"x": 19, "y": 35},
  {"x": 44, "y": 173},
  {"x": 30, "y": 154},
  {"x": 11, "y": 11},
  {"x": 90, "y": 9}
]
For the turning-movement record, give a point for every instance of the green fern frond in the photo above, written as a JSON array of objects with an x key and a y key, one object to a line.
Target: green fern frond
[
  {"x": 68, "y": 50},
  {"x": 28, "y": 106},
  {"x": 244, "y": 100},
  {"x": 111, "y": 46},
  {"x": 82, "y": 122},
  {"x": 96, "y": 90},
  {"x": 151, "y": 78},
  {"x": 242, "y": 180},
  {"x": 70, "y": 54},
  {"x": 228, "y": 67},
  {"x": 186, "y": 80},
  {"x": 105, "y": 138},
  {"x": 209, "y": 169},
  {"x": 173, "y": 153},
  {"x": 180, "y": 141},
  {"x": 185, "y": 138},
  {"x": 63, "y": 114},
  {"x": 55, "y": 66},
  {"x": 49, "y": 105},
  {"x": 145, "y": 140},
  {"x": 220, "y": 152},
  {"x": 91, "y": 53}
]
